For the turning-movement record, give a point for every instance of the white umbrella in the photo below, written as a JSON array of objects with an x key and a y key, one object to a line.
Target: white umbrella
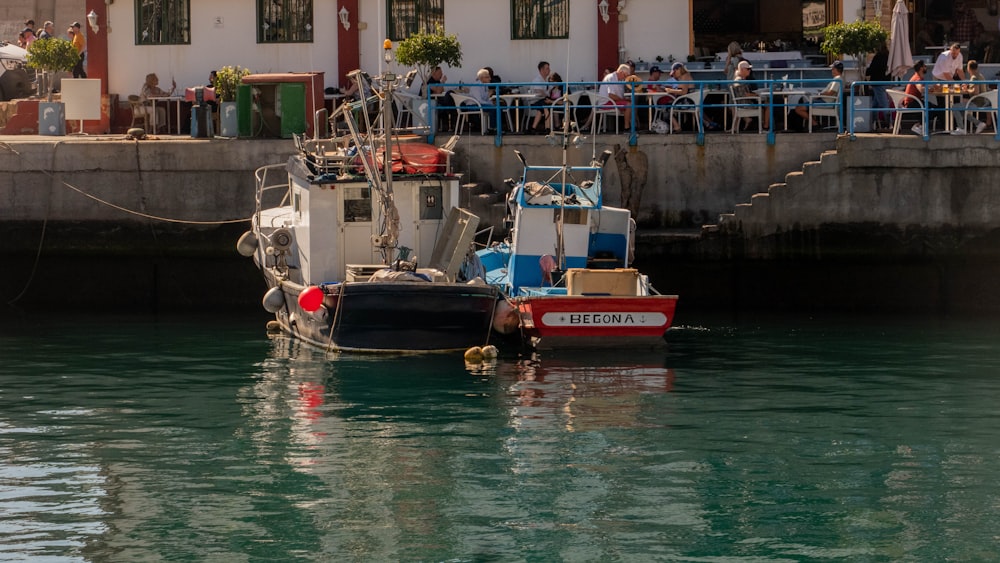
[{"x": 900, "y": 58}]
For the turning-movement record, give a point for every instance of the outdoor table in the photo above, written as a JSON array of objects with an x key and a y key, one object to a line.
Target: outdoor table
[
  {"x": 167, "y": 100},
  {"x": 517, "y": 100},
  {"x": 949, "y": 99},
  {"x": 790, "y": 96}
]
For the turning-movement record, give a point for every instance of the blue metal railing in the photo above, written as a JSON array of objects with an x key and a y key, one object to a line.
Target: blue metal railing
[
  {"x": 953, "y": 103},
  {"x": 778, "y": 96}
]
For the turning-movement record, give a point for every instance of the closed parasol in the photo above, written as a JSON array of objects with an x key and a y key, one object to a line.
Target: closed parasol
[{"x": 900, "y": 58}]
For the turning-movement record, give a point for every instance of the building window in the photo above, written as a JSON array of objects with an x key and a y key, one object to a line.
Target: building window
[
  {"x": 407, "y": 17},
  {"x": 539, "y": 19},
  {"x": 162, "y": 22},
  {"x": 284, "y": 21}
]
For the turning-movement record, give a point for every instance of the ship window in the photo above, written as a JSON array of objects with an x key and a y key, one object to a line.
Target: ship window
[
  {"x": 406, "y": 17},
  {"x": 284, "y": 21},
  {"x": 539, "y": 19},
  {"x": 357, "y": 205},
  {"x": 162, "y": 22},
  {"x": 571, "y": 216}
]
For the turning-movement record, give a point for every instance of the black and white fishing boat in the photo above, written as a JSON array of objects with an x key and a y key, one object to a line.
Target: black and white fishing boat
[{"x": 339, "y": 229}]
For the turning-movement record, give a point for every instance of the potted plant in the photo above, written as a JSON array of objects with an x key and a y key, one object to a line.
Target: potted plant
[
  {"x": 856, "y": 39},
  {"x": 428, "y": 50},
  {"x": 51, "y": 55},
  {"x": 227, "y": 81},
  {"x": 425, "y": 51}
]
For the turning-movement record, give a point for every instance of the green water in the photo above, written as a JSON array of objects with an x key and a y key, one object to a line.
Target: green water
[{"x": 790, "y": 440}]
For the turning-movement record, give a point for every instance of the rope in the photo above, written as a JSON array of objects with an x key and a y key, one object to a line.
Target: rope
[
  {"x": 52, "y": 176},
  {"x": 336, "y": 315}
]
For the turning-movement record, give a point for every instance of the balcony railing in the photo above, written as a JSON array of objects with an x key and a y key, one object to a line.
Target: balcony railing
[{"x": 777, "y": 98}]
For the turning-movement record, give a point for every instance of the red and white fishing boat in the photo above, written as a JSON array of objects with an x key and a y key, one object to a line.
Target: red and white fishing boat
[{"x": 564, "y": 269}]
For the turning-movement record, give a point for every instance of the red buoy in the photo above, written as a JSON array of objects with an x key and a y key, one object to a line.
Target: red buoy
[{"x": 311, "y": 298}]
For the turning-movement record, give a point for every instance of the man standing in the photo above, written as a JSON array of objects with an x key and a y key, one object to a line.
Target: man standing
[
  {"x": 48, "y": 28},
  {"x": 81, "y": 49},
  {"x": 949, "y": 64}
]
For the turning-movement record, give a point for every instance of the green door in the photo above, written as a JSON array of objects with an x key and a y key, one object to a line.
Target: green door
[
  {"x": 244, "y": 110},
  {"x": 291, "y": 104}
]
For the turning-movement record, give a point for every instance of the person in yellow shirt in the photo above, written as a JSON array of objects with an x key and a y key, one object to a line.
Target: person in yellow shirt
[{"x": 80, "y": 42}]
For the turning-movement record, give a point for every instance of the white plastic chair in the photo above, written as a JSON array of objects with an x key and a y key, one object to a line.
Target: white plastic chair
[
  {"x": 990, "y": 97},
  {"x": 688, "y": 104},
  {"x": 824, "y": 106},
  {"x": 404, "y": 107},
  {"x": 466, "y": 106},
  {"x": 140, "y": 112},
  {"x": 559, "y": 108},
  {"x": 603, "y": 107},
  {"x": 898, "y": 97},
  {"x": 746, "y": 106}
]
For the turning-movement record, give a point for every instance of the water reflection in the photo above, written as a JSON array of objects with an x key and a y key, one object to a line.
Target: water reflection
[
  {"x": 586, "y": 393},
  {"x": 140, "y": 443}
]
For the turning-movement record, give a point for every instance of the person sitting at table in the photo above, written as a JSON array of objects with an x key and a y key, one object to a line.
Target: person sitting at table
[
  {"x": 443, "y": 98},
  {"x": 744, "y": 89},
  {"x": 657, "y": 83},
  {"x": 552, "y": 96},
  {"x": 613, "y": 89},
  {"x": 540, "y": 87},
  {"x": 682, "y": 84},
  {"x": 972, "y": 90},
  {"x": 483, "y": 94},
  {"x": 833, "y": 90},
  {"x": 540, "y": 84},
  {"x": 151, "y": 89},
  {"x": 683, "y": 79},
  {"x": 919, "y": 91},
  {"x": 948, "y": 65}
]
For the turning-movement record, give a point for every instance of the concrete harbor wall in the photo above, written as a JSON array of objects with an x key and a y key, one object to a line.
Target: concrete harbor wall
[
  {"x": 884, "y": 224},
  {"x": 212, "y": 179}
]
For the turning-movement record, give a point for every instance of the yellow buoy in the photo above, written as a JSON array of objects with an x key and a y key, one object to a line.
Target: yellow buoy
[
  {"x": 490, "y": 352},
  {"x": 474, "y": 355}
]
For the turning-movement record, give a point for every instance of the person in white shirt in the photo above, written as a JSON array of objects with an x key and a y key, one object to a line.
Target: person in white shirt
[
  {"x": 949, "y": 64},
  {"x": 540, "y": 87},
  {"x": 833, "y": 90},
  {"x": 613, "y": 88},
  {"x": 540, "y": 84}
]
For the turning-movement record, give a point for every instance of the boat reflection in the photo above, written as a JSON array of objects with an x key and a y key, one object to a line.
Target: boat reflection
[{"x": 588, "y": 393}]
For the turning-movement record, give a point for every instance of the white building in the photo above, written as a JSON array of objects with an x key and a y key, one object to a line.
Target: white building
[{"x": 182, "y": 40}]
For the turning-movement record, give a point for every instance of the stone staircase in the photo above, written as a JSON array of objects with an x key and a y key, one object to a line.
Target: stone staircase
[{"x": 761, "y": 215}]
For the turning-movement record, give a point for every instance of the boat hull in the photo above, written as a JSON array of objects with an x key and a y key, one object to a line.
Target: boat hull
[
  {"x": 392, "y": 317},
  {"x": 565, "y": 321}
]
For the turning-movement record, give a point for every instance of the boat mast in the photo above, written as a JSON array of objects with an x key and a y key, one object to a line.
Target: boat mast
[
  {"x": 560, "y": 241},
  {"x": 389, "y": 80}
]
